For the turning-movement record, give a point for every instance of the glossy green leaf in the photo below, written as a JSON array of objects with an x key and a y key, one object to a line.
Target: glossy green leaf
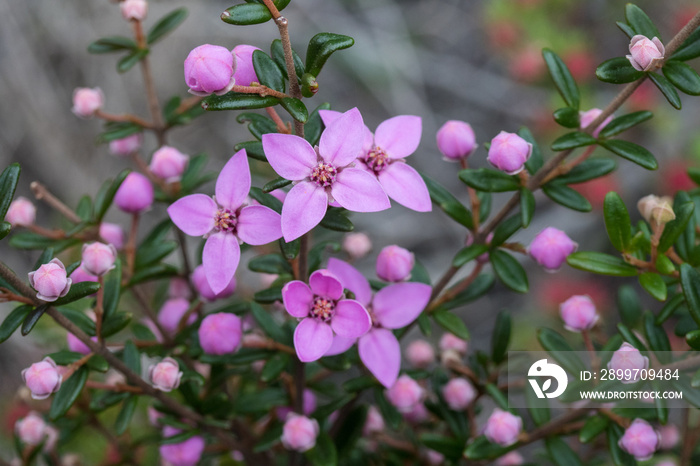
[
  {"x": 314, "y": 125},
  {"x": 112, "y": 293},
  {"x": 105, "y": 195},
  {"x": 505, "y": 230},
  {"x": 632, "y": 152},
  {"x": 257, "y": 124},
  {"x": 631, "y": 337},
  {"x": 625, "y": 122},
  {"x": 690, "y": 283},
  {"x": 132, "y": 357},
  {"x": 562, "y": 78},
  {"x": 509, "y": 271},
  {"x": 567, "y": 117},
  {"x": 68, "y": 393},
  {"x": 270, "y": 263},
  {"x": 693, "y": 339},
  {"x": 482, "y": 449},
  {"x": 277, "y": 54},
  {"x": 261, "y": 401},
  {"x": 166, "y": 24},
  {"x": 617, "y": 70},
  {"x": 80, "y": 319},
  {"x": 148, "y": 254},
  {"x": 153, "y": 272},
  {"x": 274, "y": 367},
  {"x": 654, "y": 285},
  {"x": 594, "y": 426},
  {"x": 233, "y": 101},
  {"x": 629, "y": 305},
  {"x": 291, "y": 250},
  {"x": 449, "y": 447},
  {"x": 561, "y": 453},
  {"x": 128, "y": 62},
  {"x": 321, "y": 46},
  {"x": 479, "y": 287},
  {"x": 116, "y": 323},
  {"x": 500, "y": 338},
  {"x": 451, "y": 323},
  {"x": 448, "y": 203},
  {"x": 8, "y": 184},
  {"x": 112, "y": 44},
  {"x": 587, "y": 170},
  {"x": 535, "y": 161},
  {"x": 5, "y": 229},
  {"x": 267, "y": 323},
  {"x": 675, "y": 227},
  {"x": 335, "y": 220},
  {"x": 246, "y": 14},
  {"x": 572, "y": 141},
  {"x": 485, "y": 179},
  {"x": 527, "y": 207},
  {"x": 268, "y": 200},
  {"x": 624, "y": 27},
  {"x": 295, "y": 108},
  {"x": 13, "y": 321},
  {"x": 563, "y": 195},
  {"x": 125, "y": 415},
  {"x": 600, "y": 263},
  {"x": 667, "y": 89},
  {"x": 77, "y": 291},
  {"x": 560, "y": 350},
  {"x": 640, "y": 22},
  {"x": 468, "y": 254},
  {"x": 669, "y": 308},
  {"x": 617, "y": 221},
  {"x": 267, "y": 71},
  {"x": 690, "y": 48},
  {"x": 657, "y": 338},
  {"x": 28, "y": 240}
]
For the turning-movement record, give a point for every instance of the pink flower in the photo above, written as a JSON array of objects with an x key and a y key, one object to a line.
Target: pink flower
[
  {"x": 209, "y": 69},
  {"x": 640, "y": 440},
  {"x": 299, "y": 433},
  {"x": 451, "y": 342},
  {"x": 628, "y": 357},
  {"x": 134, "y": 9},
  {"x": 417, "y": 414},
  {"x": 98, "y": 258},
  {"x": 392, "y": 307},
  {"x": 185, "y": 453},
  {"x": 220, "y": 333},
  {"x": 31, "y": 429},
  {"x": 374, "y": 422},
  {"x": 323, "y": 311},
  {"x": 383, "y": 155},
  {"x": 420, "y": 354},
  {"x": 225, "y": 220},
  {"x": 199, "y": 280},
  {"x": 458, "y": 393},
  {"x": 512, "y": 458},
  {"x": 434, "y": 458},
  {"x": 112, "y": 233},
  {"x": 42, "y": 378},
  {"x": 245, "y": 72},
  {"x": 87, "y": 101},
  {"x": 550, "y": 248},
  {"x": 172, "y": 312},
  {"x": 645, "y": 54},
  {"x": 669, "y": 436},
  {"x": 135, "y": 194},
  {"x": 357, "y": 245},
  {"x": 405, "y": 394},
  {"x": 80, "y": 275},
  {"x": 77, "y": 346},
  {"x": 50, "y": 281},
  {"x": 21, "y": 212},
  {"x": 168, "y": 163},
  {"x": 587, "y": 117},
  {"x": 509, "y": 152},
  {"x": 165, "y": 375},
  {"x": 323, "y": 174},
  {"x": 456, "y": 140},
  {"x": 126, "y": 146},
  {"x": 394, "y": 263},
  {"x": 503, "y": 427},
  {"x": 578, "y": 313}
]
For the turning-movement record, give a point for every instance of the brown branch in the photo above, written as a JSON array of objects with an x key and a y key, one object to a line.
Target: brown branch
[
  {"x": 260, "y": 90},
  {"x": 43, "y": 194},
  {"x": 126, "y": 117},
  {"x": 553, "y": 427},
  {"x": 151, "y": 95},
  {"x": 119, "y": 387},
  {"x": 268, "y": 345},
  {"x": 281, "y": 127}
]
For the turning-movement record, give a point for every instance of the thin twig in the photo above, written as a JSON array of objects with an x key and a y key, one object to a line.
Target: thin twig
[
  {"x": 127, "y": 117},
  {"x": 43, "y": 194},
  {"x": 151, "y": 95}
]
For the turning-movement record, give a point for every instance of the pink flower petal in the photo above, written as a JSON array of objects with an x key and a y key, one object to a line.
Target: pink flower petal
[
  {"x": 359, "y": 191},
  {"x": 298, "y": 298},
  {"x": 312, "y": 338},
  {"x": 340, "y": 345},
  {"x": 290, "y": 156},
  {"x": 323, "y": 283},
  {"x": 381, "y": 354},
  {"x": 350, "y": 319},
  {"x": 341, "y": 141},
  {"x": 329, "y": 116},
  {"x": 193, "y": 214},
  {"x": 399, "y": 136},
  {"x": 352, "y": 279},
  {"x": 220, "y": 260},
  {"x": 259, "y": 225},
  {"x": 233, "y": 183},
  {"x": 303, "y": 209},
  {"x": 403, "y": 184},
  {"x": 398, "y": 305}
]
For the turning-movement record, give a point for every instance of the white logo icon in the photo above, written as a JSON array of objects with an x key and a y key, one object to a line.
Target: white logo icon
[{"x": 542, "y": 368}]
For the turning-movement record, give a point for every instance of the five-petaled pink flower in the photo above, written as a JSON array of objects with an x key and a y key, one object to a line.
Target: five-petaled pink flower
[
  {"x": 323, "y": 311},
  {"x": 383, "y": 155},
  {"x": 225, "y": 220},
  {"x": 323, "y": 174},
  {"x": 392, "y": 307}
]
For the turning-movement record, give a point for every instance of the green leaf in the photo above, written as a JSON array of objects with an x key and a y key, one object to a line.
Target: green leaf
[
  {"x": 527, "y": 207},
  {"x": 675, "y": 227},
  {"x": 277, "y": 54},
  {"x": 451, "y": 323},
  {"x": 629, "y": 305},
  {"x": 617, "y": 221},
  {"x": 335, "y": 220},
  {"x": 79, "y": 318},
  {"x": 654, "y": 285},
  {"x": 666, "y": 89},
  {"x": 656, "y": 336},
  {"x": 587, "y": 170},
  {"x": 690, "y": 48},
  {"x": 448, "y": 203},
  {"x": 482, "y": 449},
  {"x": 562, "y": 78},
  {"x": 112, "y": 293},
  {"x": 166, "y": 24},
  {"x": 592, "y": 428},
  {"x": 505, "y": 230},
  {"x": 267, "y": 323},
  {"x": 246, "y": 14},
  {"x": 617, "y": 70},
  {"x": 295, "y": 108},
  {"x": 563, "y": 195},
  {"x": 257, "y": 124},
  {"x": 233, "y": 101},
  {"x": 693, "y": 339},
  {"x": 77, "y": 291},
  {"x": 690, "y": 283},
  {"x": 28, "y": 240},
  {"x": 312, "y": 129},
  {"x": 567, "y": 117},
  {"x": 509, "y": 271},
  {"x": 128, "y": 62},
  {"x": 324, "y": 453},
  {"x": 267, "y": 71},
  {"x": 669, "y": 308},
  {"x": 116, "y": 324},
  {"x": 13, "y": 321},
  {"x": 150, "y": 254},
  {"x": 291, "y": 250},
  {"x": 270, "y": 263},
  {"x": 535, "y": 162},
  {"x": 321, "y": 46},
  {"x": 537, "y": 407},
  {"x": 625, "y": 122},
  {"x": 632, "y": 152},
  {"x": 125, "y": 415},
  {"x": 274, "y": 367},
  {"x": 112, "y": 44},
  {"x": 192, "y": 178},
  {"x": 624, "y": 27},
  {"x": 268, "y": 200},
  {"x": 153, "y": 272},
  {"x": 560, "y": 350},
  {"x": 640, "y": 22},
  {"x": 468, "y": 254},
  {"x": 619, "y": 456},
  {"x": 105, "y": 195},
  {"x": 561, "y": 453},
  {"x": 84, "y": 209},
  {"x": 261, "y": 400},
  {"x": 68, "y": 393},
  {"x": 8, "y": 184},
  {"x": 630, "y": 337},
  {"x": 277, "y": 183},
  {"x": 600, "y": 263},
  {"x": 132, "y": 357},
  {"x": 5, "y": 229},
  {"x": 501, "y": 337},
  {"x": 480, "y": 286},
  {"x": 448, "y": 446},
  {"x": 485, "y": 179},
  {"x": 573, "y": 140},
  {"x": 115, "y": 130}
]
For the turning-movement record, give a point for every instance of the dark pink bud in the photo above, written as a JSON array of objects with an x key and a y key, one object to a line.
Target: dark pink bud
[
  {"x": 420, "y": 354},
  {"x": 578, "y": 313},
  {"x": 394, "y": 264},
  {"x": 357, "y": 245},
  {"x": 209, "y": 69},
  {"x": 645, "y": 54},
  {"x": 503, "y": 427},
  {"x": 87, "y": 101},
  {"x": 80, "y": 275},
  {"x": 299, "y": 433},
  {"x": 172, "y": 312},
  {"x": 77, "y": 346},
  {"x": 21, "y": 212},
  {"x": 112, "y": 233},
  {"x": 165, "y": 375},
  {"x": 456, "y": 140},
  {"x": 42, "y": 378},
  {"x": 134, "y": 9},
  {"x": 185, "y": 453},
  {"x": 405, "y": 394},
  {"x": 199, "y": 280},
  {"x": 50, "y": 281},
  {"x": 169, "y": 163},
  {"x": 245, "y": 73},
  {"x": 220, "y": 333},
  {"x": 98, "y": 258},
  {"x": 458, "y": 393},
  {"x": 135, "y": 194},
  {"x": 126, "y": 146},
  {"x": 640, "y": 440},
  {"x": 550, "y": 248},
  {"x": 587, "y": 117},
  {"x": 509, "y": 152}
]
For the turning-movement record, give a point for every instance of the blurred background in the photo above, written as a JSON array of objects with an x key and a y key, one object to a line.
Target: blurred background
[{"x": 477, "y": 61}]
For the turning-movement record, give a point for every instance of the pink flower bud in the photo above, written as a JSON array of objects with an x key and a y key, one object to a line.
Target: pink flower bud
[
  {"x": 210, "y": 69},
  {"x": 628, "y": 357},
  {"x": 669, "y": 437},
  {"x": 87, "y": 101},
  {"x": 80, "y": 275},
  {"x": 458, "y": 393},
  {"x": 169, "y": 163},
  {"x": 420, "y": 354},
  {"x": 299, "y": 433},
  {"x": 509, "y": 152},
  {"x": 172, "y": 312},
  {"x": 31, "y": 430},
  {"x": 374, "y": 422},
  {"x": 394, "y": 264},
  {"x": 245, "y": 72},
  {"x": 587, "y": 117},
  {"x": 640, "y": 440},
  {"x": 165, "y": 375},
  {"x": 200, "y": 282},
  {"x": 510, "y": 459},
  {"x": 417, "y": 414},
  {"x": 308, "y": 406},
  {"x": 154, "y": 415},
  {"x": 112, "y": 233},
  {"x": 126, "y": 146},
  {"x": 21, "y": 212},
  {"x": 220, "y": 333},
  {"x": 503, "y": 427},
  {"x": 456, "y": 140},
  {"x": 449, "y": 341},
  {"x": 656, "y": 209},
  {"x": 98, "y": 258},
  {"x": 434, "y": 458},
  {"x": 405, "y": 394},
  {"x": 550, "y": 248},
  {"x": 645, "y": 54},
  {"x": 179, "y": 288},
  {"x": 77, "y": 346},
  {"x": 578, "y": 313},
  {"x": 50, "y": 281},
  {"x": 135, "y": 194},
  {"x": 134, "y": 9},
  {"x": 42, "y": 378},
  {"x": 357, "y": 245},
  {"x": 185, "y": 453}
]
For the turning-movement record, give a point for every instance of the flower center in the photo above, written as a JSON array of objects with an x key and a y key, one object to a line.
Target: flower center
[
  {"x": 323, "y": 174},
  {"x": 225, "y": 221},
  {"x": 377, "y": 160},
  {"x": 322, "y": 308}
]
